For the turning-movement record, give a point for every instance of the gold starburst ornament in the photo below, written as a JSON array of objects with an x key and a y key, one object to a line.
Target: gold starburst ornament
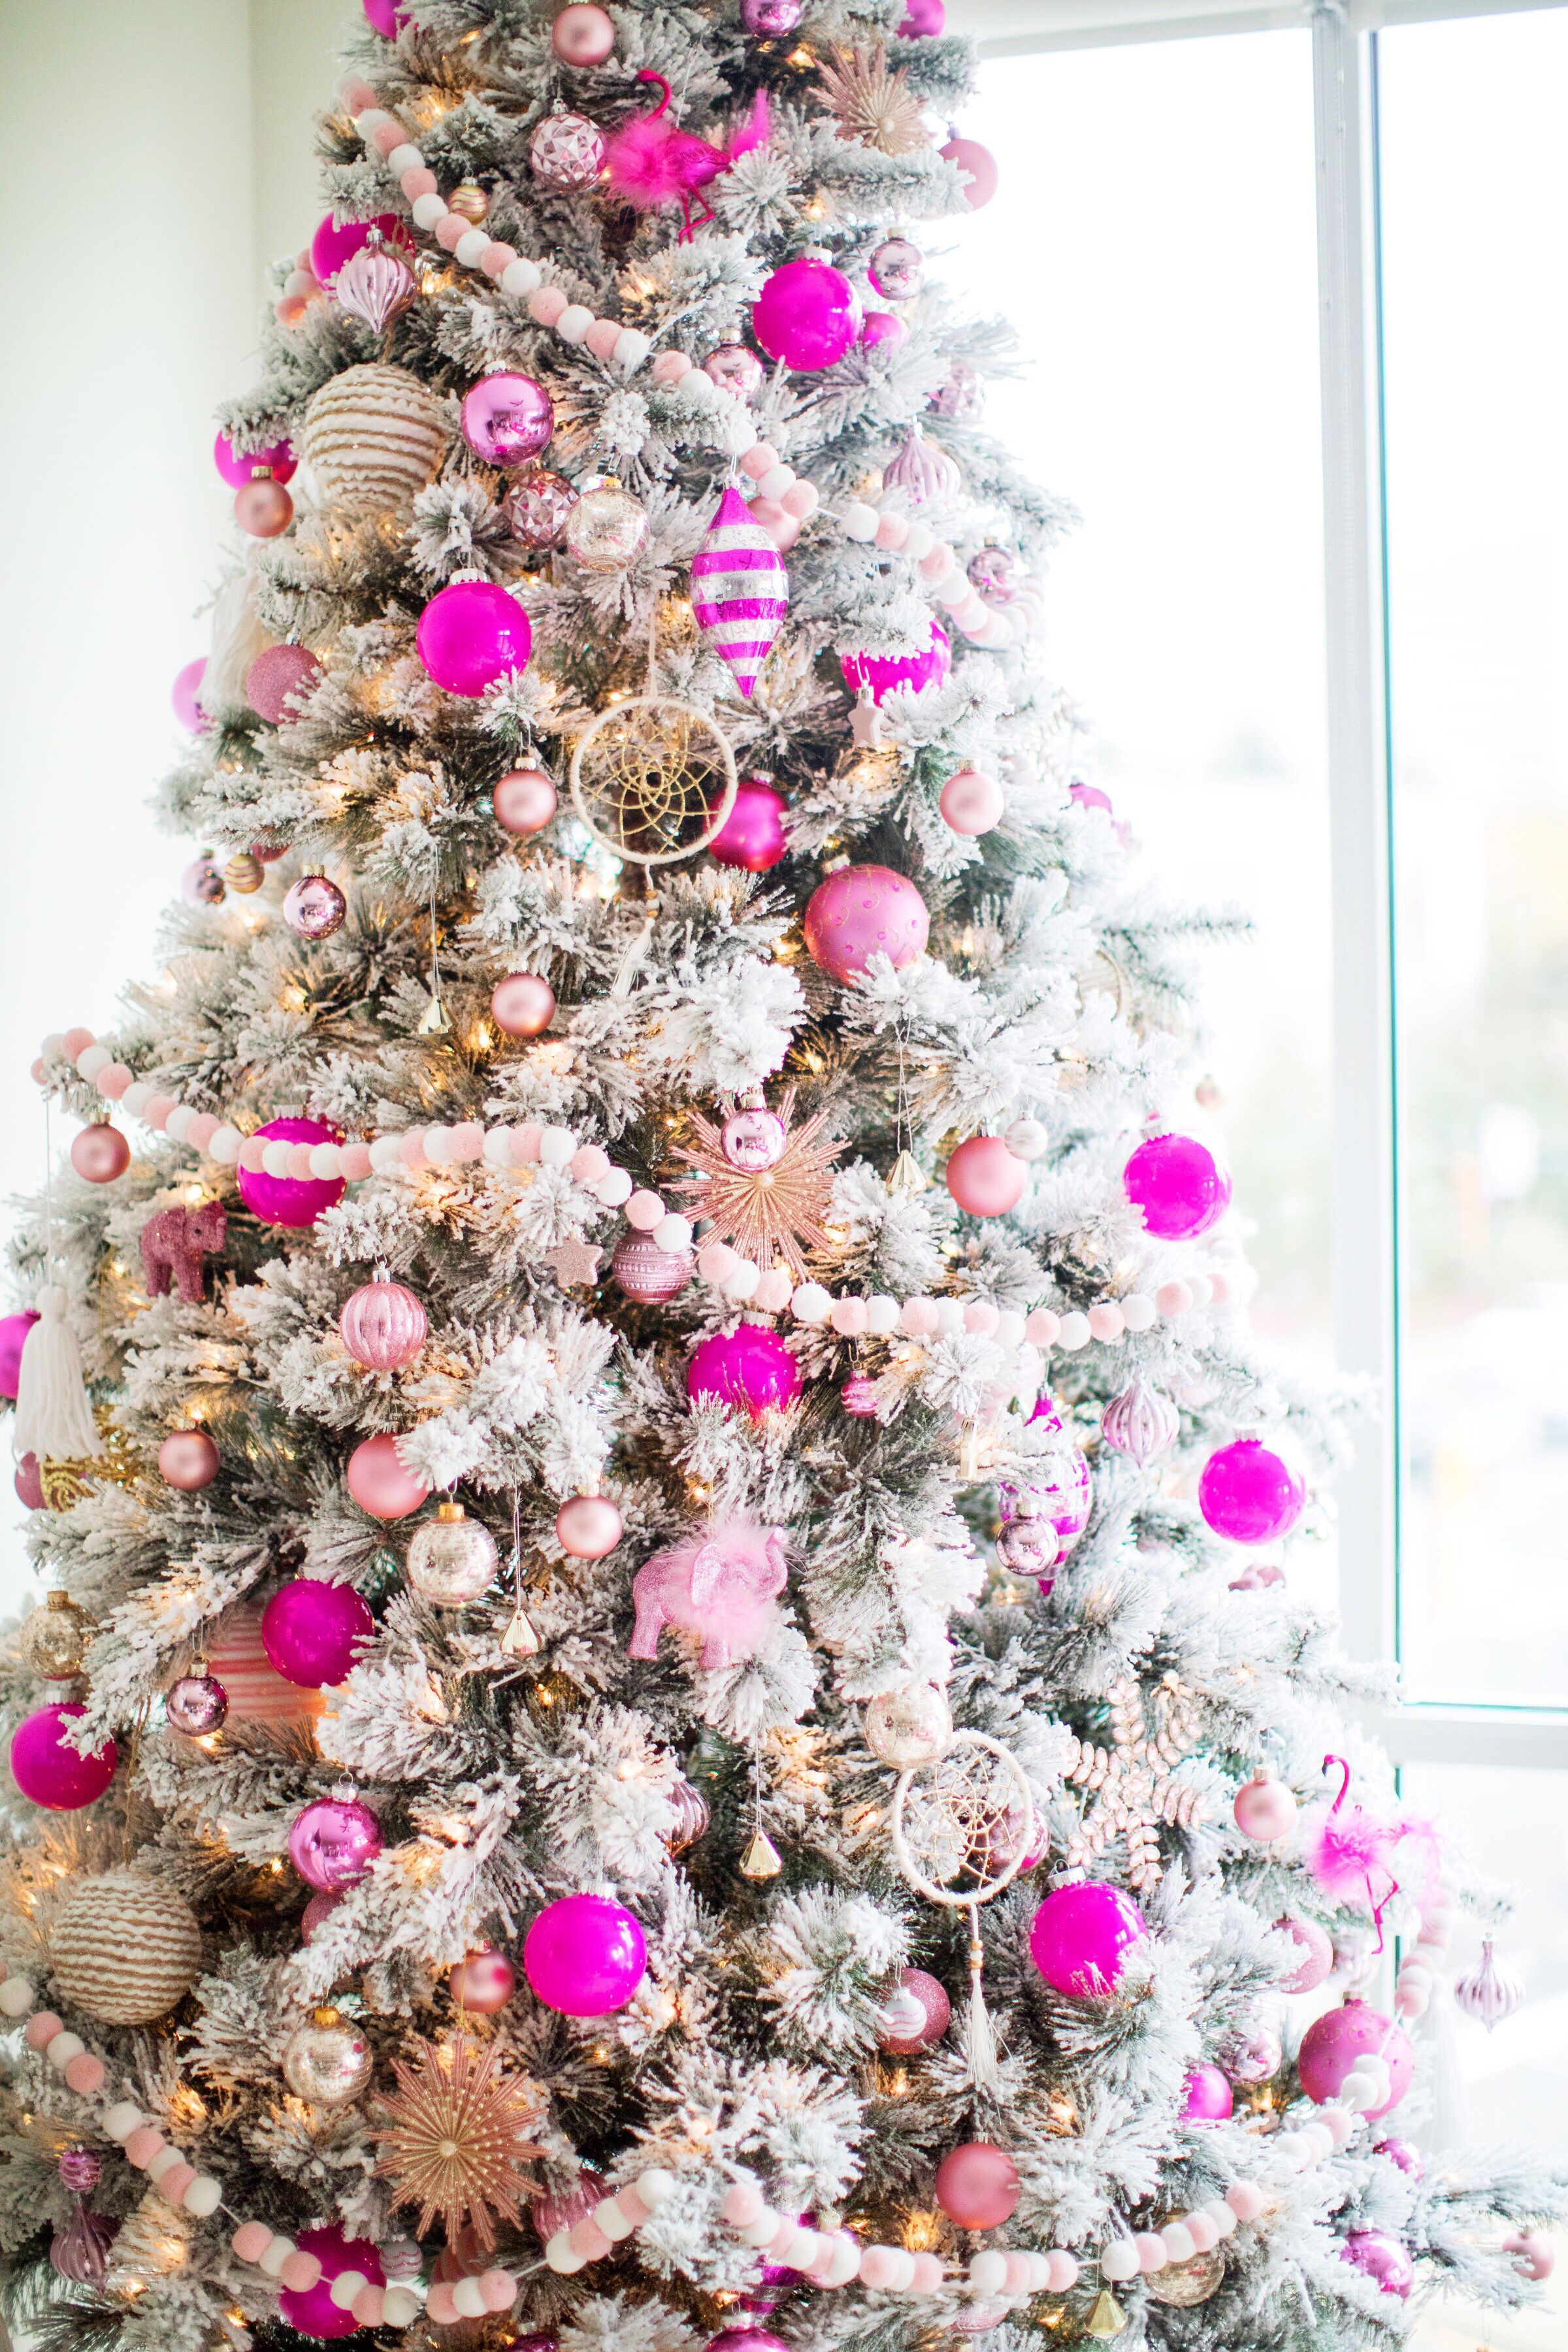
[
  {"x": 873, "y": 102},
  {"x": 762, "y": 1183},
  {"x": 458, "y": 2139}
]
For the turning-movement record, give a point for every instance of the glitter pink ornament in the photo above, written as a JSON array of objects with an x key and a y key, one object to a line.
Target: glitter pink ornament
[
  {"x": 524, "y": 801},
  {"x": 379, "y": 1483},
  {"x": 915, "y": 2013},
  {"x": 28, "y": 1481},
  {"x": 1250, "y": 1494},
  {"x": 1382, "y": 2257},
  {"x": 52, "y": 1773},
  {"x": 292, "y": 1201},
  {"x": 749, "y": 1366},
  {"x": 312, "y": 1632},
  {"x": 472, "y": 634},
  {"x": 1332, "y": 2043},
  {"x": 752, "y": 835},
  {"x": 582, "y": 34},
  {"x": 584, "y": 1956},
  {"x": 807, "y": 314},
  {"x": 314, "y": 907},
  {"x": 740, "y": 590},
  {"x": 506, "y": 418},
  {"x": 1316, "y": 1947},
  {"x": 1080, "y": 1936},
  {"x": 314, "y": 2312},
  {"x": 318, "y": 1909},
  {"x": 331, "y": 246},
  {"x": 720, "y": 1584},
  {"x": 985, "y": 1178},
  {"x": 1207, "y": 2096},
  {"x": 333, "y": 1842},
  {"x": 277, "y": 459},
  {"x": 1179, "y": 1185},
  {"x": 383, "y": 1325},
  {"x": 484, "y": 1983},
  {"x": 862, "y": 911},
  {"x": 523, "y": 1004},
  {"x": 188, "y": 1460},
  {"x": 883, "y": 672},
  {"x": 977, "y": 2184},
  {"x": 278, "y": 680}
]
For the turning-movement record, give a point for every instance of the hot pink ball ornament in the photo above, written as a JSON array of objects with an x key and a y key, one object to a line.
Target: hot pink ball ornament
[
  {"x": 312, "y": 1632},
  {"x": 752, "y": 835},
  {"x": 1316, "y": 1947},
  {"x": 291, "y": 1200},
  {"x": 922, "y": 20},
  {"x": 985, "y": 1178},
  {"x": 913, "y": 1993},
  {"x": 1332, "y": 2043},
  {"x": 881, "y": 327},
  {"x": 1533, "y": 2254},
  {"x": 188, "y": 1460},
  {"x": 331, "y": 246},
  {"x": 584, "y": 1956},
  {"x": 483, "y": 1982},
  {"x": 976, "y": 167},
  {"x": 277, "y": 459},
  {"x": 523, "y": 1004},
  {"x": 506, "y": 418},
  {"x": 278, "y": 679},
  {"x": 807, "y": 314},
  {"x": 883, "y": 672},
  {"x": 1382, "y": 2257},
  {"x": 862, "y": 911},
  {"x": 99, "y": 1153},
  {"x": 1079, "y": 1936},
  {"x": 1248, "y": 1494},
  {"x": 472, "y": 633},
  {"x": 383, "y": 1325},
  {"x": 386, "y": 17},
  {"x": 1207, "y": 2096},
  {"x": 379, "y": 1483},
  {"x": 582, "y": 35},
  {"x": 587, "y": 1527},
  {"x": 333, "y": 1842},
  {"x": 48, "y": 1770},
  {"x": 14, "y": 1330},
  {"x": 1179, "y": 1185},
  {"x": 750, "y": 1366},
  {"x": 182, "y": 695},
  {"x": 972, "y": 804},
  {"x": 314, "y": 907},
  {"x": 524, "y": 801},
  {"x": 314, "y": 2313},
  {"x": 977, "y": 2184}
]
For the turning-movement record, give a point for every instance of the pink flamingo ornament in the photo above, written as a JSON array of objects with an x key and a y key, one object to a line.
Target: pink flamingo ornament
[{"x": 653, "y": 162}]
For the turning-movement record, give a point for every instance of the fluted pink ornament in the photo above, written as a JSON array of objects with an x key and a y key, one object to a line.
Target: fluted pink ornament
[
  {"x": 1141, "y": 1422},
  {"x": 925, "y": 474},
  {"x": 383, "y": 1325},
  {"x": 376, "y": 283}
]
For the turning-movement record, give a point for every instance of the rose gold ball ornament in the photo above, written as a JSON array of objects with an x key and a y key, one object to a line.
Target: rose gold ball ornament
[
  {"x": 734, "y": 369},
  {"x": 523, "y": 1004},
  {"x": 753, "y": 1138},
  {"x": 99, "y": 1153},
  {"x": 314, "y": 907},
  {"x": 54, "y": 1638},
  {"x": 383, "y": 1325},
  {"x": 605, "y": 528},
  {"x": 566, "y": 151},
  {"x": 188, "y": 1459},
  {"x": 1182, "y": 2285},
  {"x": 468, "y": 201},
  {"x": 198, "y": 1704},
  {"x": 484, "y": 1983},
  {"x": 524, "y": 801},
  {"x": 692, "y": 1816},
  {"x": 582, "y": 35},
  {"x": 245, "y": 873},
  {"x": 327, "y": 2060},
  {"x": 908, "y": 1727},
  {"x": 537, "y": 508},
  {"x": 587, "y": 1527},
  {"x": 262, "y": 507},
  {"x": 451, "y": 1557},
  {"x": 644, "y": 1272}
]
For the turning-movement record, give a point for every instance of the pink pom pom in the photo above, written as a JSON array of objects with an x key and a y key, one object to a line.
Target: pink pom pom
[
  {"x": 355, "y": 1159},
  {"x": 142, "y": 2146},
  {"x": 449, "y": 228},
  {"x": 467, "y": 1140},
  {"x": 113, "y": 1082},
  {"x": 201, "y": 1130},
  {"x": 369, "y": 2305},
  {"x": 497, "y": 258},
  {"x": 1152, "y": 2254},
  {"x": 251, "y": 1153},
  {"x": 174, "y": 2183},
  {"x": 879, "y": 2265},
  {"x": 413, "y": 1148},
  {"x": 919, "y": 1317},
  {"x": 386, "y": 136},
  {"x": 156, "y": 1112},
  {"x": 547, "y": 305},
  {"x": 416, "y": 182},
  {"x": 85, "y": 2074},
  {"x": 801, "y": 500},
  {"x": 742, "y": 2204},
  {"x": 300, "y": 2271},
  {"x": 642, "y": 1210},
  {"x": 357, "y": 95},
  {"x": 1245, "y": 2198},
  {"x": 250, "y": 2240},
  {"x": 928, "y": 2274},
  {"x": 77, "y": 1041},
  {"x": 1173, "y": 1299},
  {"x": 440, "y": 2305},
  {"x": 499, "y": 2289},
  {"x": 602, "y": 338},
  {"x": 525, "y": 1143},
  {"x": 1020, "y": 2273},
  {"x": 591, "y": 1165},
  {"x": 585, "y": 2237},
  {"x": 1061, "y": 2271},
  {"x": 669, "y": 367},
  {"x": 42, "y": 2027},
  {"x": 759, "y": 459}
]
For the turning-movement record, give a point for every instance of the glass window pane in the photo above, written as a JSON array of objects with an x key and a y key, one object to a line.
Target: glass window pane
[{"x": 1475, "y": 197}]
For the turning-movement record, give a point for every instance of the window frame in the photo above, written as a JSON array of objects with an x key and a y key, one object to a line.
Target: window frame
[{"x": 1365, "y": 1206}]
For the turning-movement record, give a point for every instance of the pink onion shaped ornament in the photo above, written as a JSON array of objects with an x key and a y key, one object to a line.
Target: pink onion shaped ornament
[
  {"x": 1250, "y": 1494},
  {"x": 863, "y": 911},
  {"x": 1332, "y": 2043},
  {"x": 291, "y": 1200},
  {"x": 80, "y": 2251},
  {"x": 1080, "y": 1937},
  {"x": 333, "y": 1842},
  {"x": 1179, "y": 1185},
  {"x": 52, "y": 1773},
  {"x": 750, "y": 1366},
  {"x": 1489, "y": 1991},
  {"x": 508, "y": 419},
  {"x": 310, "y": 2310},
  {"x": 1139, "y": 1422},
  {"x": 311, "y": 1631},
  {"x": 383, "y": 1325},
  {"x": 584, "y": 1956},
  {"x": 925, "y": 474},
  {"x": 375, "y": 284},
  {"x": 883, "y": 672},
  {"x": 807, "y": 314},
  {"x": 472, "y": 634},
  {"x": 740, "y": 590}
]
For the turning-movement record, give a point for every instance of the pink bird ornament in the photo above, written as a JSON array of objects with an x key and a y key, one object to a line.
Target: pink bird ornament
[
  {"x": 653, "y": 162},
  {"x": 740, "y": 588}
]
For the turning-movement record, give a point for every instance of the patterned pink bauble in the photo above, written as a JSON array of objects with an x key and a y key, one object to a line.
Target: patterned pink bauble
[
  {"x": 976, "y": 167},
  {"x": 1332, "y": 2043},
  {"x": 188, "y": 1460},
  {"x": 971, "y": 802},
  {"x": 484, "y": 1983},
  {"x": 863, "y": 911},
  {"x": 383, "y": 1325},
  {"x": 644, "y": 1272},
  {"x": 925, "y": 474},
  {"x": 379, "y": 1483},
  {"x": 1249, "y": 1494},
  {"x": 915, "y": 2013},
  {"x": 566, "y": 151},
  {"x": 524, "y": 801},
  {"x": 375, "y": 284},
  {"x": 750, "y": 1366},
  {"x": 883, "y": 672},
  {"x": 277, "y": 459},
  {"x": 292, "y": 1201},
  {"x": 182, "y": 695},
  {"x": 506, "y": 418},
  {"x": 50, "y": 1772},
  {"x": 201, "y": 883},
  {"x": 1080, "y": 1934},
  {"x": 314, "y": 2313},
  {"x": 80, "y": 2170},
  {"x": 523, "y": 1004},
  {"x": 1179, "y": 1185},
  {"x": 314, "y": 907},
  {"x": 584, "y": 1956},
  {"x": 740, "y": 590},
  {"x": 1316, "y": 1947},
  {"x": 985, "y": 1178},
  {"x": 318, "y": 1911},
  {"x": 1207, "y": 2096},
  {"x": 537, "y": 510},
  {"x": 807, "y": 314},
  {"x": 313, "y": 1631},
  {"x": 752, "y": 835},
  {"x": 977, "y": 2184},
  {"x": 858, "y": 1397},
  {"x": 278, "y": 679},
  {"x": 1382, "y": 2257},
  {"x": 734, "y": 369},
  {"x": 99, "y": 1153},
  {"x": 582, "y": 34},
  {"x": 587, "y": 1527},
  {"x": 470, "y": 634},
  {"x": 333, "y": 1842},
  {"x": 331, "y": 246}
]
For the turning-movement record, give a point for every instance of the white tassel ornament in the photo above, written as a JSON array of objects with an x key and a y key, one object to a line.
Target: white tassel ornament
[{"x": 53, "y": 1419}]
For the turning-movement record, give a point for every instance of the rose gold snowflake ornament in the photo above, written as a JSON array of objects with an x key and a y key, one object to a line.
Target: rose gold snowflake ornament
[
  {"x": 762, "y": 1183},
  {"x": 456, "y": 2138}
]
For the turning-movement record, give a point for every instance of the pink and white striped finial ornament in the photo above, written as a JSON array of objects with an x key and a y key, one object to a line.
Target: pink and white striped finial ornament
[{"x": 740, "y": 588}]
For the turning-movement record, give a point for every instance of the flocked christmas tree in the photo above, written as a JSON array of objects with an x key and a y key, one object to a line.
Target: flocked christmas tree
[{"x": 666, "y": 1705}]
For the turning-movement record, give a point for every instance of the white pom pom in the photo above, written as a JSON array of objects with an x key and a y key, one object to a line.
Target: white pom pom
[
  {"x": 557, "y": 1145},
  {"x": 632, "y": 348},
  {"x": 522, "y": 278},
  {"x": 560, "y": 2255},
  {"x": 466, "y": 2300},
  {"x": 275, "y": 1158},
  {"x": 178, "y": 1123},
  {"x": 347, "y": 2285},
  {"x": 428, "y": 210},
  {"x": 574, "y": 322},
  {"x": 386, "y": 1154},
  {"x": 859, "y": 521},
  {"x": 811, "y": 1303},
  {"x": 470, "y": 246},
  {"x": 223, "y": 1147},
  {"x": 63, "y": 2049},
  {"x": 407, "y": 158},
  {"x": 90, "y": 1060},
  {"x": 1178, "y": 2240},
  {"x": 121, "y": 2119},
  {"x": 204, "y": 2196},
  {"x": 1139, "y": 1311},
  {"x": 741, "y": 1283},
  {"x": 400, "y": 2306},
  {"x": 988, "y": 2272},
  {"x": 883, "y": 1315},
  {"x": 672, "y": 1233},
  {"x": 1073, "y": 1332},
  {"x": 613, "y": 1189},
  {"x": 1119, "y": 2259},
  {"x": 654, "y": 2186},
  {"x": 948, "y": 1318},
  {"x": 326, "y": 1160}
]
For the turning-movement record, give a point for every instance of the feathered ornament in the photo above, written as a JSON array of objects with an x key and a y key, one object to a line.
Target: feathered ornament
[
  {"x": 1364, "y": 1861},
  {"x": 653, "y": 162},
  {"x": 872, "y": 102},
  {"x": 1490, "y": 1993},
  {"x": 740, "y": 588}
]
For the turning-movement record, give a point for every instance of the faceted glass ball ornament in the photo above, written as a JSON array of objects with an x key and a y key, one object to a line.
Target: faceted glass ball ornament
[
  {"x": 566, "y": 151},
  {"x": 54, "y": 1638},
  {"x": 897, "y": 269},
  {"x": 584, "y": 1956},
  {"x": 99, "y": 1153},
  {"x": 862, "y": 911},
  {"x": 451, "y": 1559},
  {"x": 644, "y": 1272},
  {"x": 1179, "y": 1185},
  {"x": 292, "y": 1201},
  {"x": 507, "y": 419},
  {"x": 605, "y": 529},
  {"x": 52, "y": 1773},
  {"x": 383, "y": 1325},
  {"x": 470, "y": 634},
  {"x": 1249, "y": 1494},
  {"x": 1080, "y": 1937},
  {"x": 327, "y": 2060},
  {"x": 1182, "y": 2285},
  {"x": 537, "y": 508},
  {"x": 196, "y": 1704},
  {"x": 314, "y": 907},
  {"x": 807, "y": 314},
  {"x": 908, "y": 1727}
]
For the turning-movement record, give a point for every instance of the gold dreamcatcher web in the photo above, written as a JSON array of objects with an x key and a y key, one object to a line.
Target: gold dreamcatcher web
[{"x": 653, "y": 779}]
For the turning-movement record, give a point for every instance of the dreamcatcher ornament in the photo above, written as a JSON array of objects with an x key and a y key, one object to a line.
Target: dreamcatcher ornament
[
  {"x": 653, "y": 779},
  {"x": 968, "y": 1816}
]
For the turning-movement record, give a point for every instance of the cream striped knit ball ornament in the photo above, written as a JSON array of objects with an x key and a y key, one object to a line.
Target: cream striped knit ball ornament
[
  {"x": 256, "y": 1691},
  {"x": 372, "y": 436},
  {"x": 123, "y": 1949}
]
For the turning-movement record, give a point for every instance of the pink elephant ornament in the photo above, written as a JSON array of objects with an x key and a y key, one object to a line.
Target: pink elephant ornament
[
  {"x": 175, "y": 1241},
  {"x": 720, "y": 1584}
]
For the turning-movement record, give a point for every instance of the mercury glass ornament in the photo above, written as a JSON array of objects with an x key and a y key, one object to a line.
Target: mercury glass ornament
[
  {"x": 451, "y": 1559},
  {"x": 734, "y": 369},
  {"x": 196, "y": 1704},
  {"x": 537, "y": 508},
  {"x": 327, "y": 2060},
  {"x": 1184, "y": 2284},
  {"x": 314, "y": 907},
  {"x": 960, "y": 396},
  {"x": 54, "y": 1638},
  {"x": 996, "y": 572},
  {"x": 605, "y": 528},
  {"x": 908, "y": 1727},
  {"x": 753, "y": 1138},
  {"x": 566, "y": 151},
  {"x": 897, "y": 270},
  {"x": 691, "y": 1816}
]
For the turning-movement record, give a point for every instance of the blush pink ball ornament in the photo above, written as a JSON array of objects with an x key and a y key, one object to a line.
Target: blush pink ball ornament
[
  {"x": 977, "y": 166},
  {"x": 379, "y": 1483},
  {"x": 312, "y": 1632},
  {"x": 470, "y": 634},
  {"x": 263, "y": 508},
  {"x": 524, "y": 801},
  {"x": 977, "y": 2184},
  {"x": 985, "y": 1178},
  {"x": 915, "y": 2014},
  {"x": 749, "y": 1366},
  {"x": 862, "y": 911},
  {"x": 883, "y": 672},
  {"x": 277, "y": 681},
  {"x": 483, "y": 1982},
  {"x": 587, "y": 1527},
  {"x": 48, "y": 1771},
  {"x": 188, "y": 1460},
  {"x": 14, "y": 1330},
  {"x": 292, "y": 1201},
  {"x": 506, "y": 418},
  {"x": 807, "y": 314},
  {"x": 333, "y": 1842},
  {"x": 1179, "y": 1185},
  {"x": 383, "y": 1325},
  {"x": 752, "y": 835},
  {"x": 318, "y": 1911},
  {"x": 1379, "y": 2255},
  {"x": 585, "y": 1956},
  {"x": 314, "y": 2313},
  {"x": 523, "y": 1004},
  {"x": 1079, "y": 1936},
  {"x": 582, "y": 35},
  {"x": 182, "y": 695},
  {"x": 331, "y": 246},
  {"x": 1249, "y": 1494},
  {"x": 99, "y": 1153},
  {"x": 1332, "y": 2043},
  {"x": 1207, "y": 2096},
  {"x": 1316, "y": 1947},
  {"x": 277, "y": 459},
  {"x": 1264, "y": 1809},
  {"x": 971, "y": 802},
  {"x": 1531, "y": 2254},
  {"x": 314, "y": 907}
]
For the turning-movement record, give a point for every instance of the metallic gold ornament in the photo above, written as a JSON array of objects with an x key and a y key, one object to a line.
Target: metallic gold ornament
[
  {"x": 458, "y": 2139},
  {"x": 764, "y": 1212},
  {"x": 327, "y": 2060},
  {"x": 1106, "y": 2317},
  {"x": 451, "y": 1559},
  {"x": 519, "y": 1639},
  {"x": 1132, "y": 1781},
  {"x": 245, "y": 873},
  {"x": 65, "y": 1482},
  {"x": 469, "y": 200},
  {"x": 908, "y": 1727},
  {"x": 1184, "y": 2284},
  {"x": 907, "y": 1175},
  {"x": 54, "y": 1638},
  {"x": 872, "y": 102},
  {"x": 761, "y": 1858},
  {"x": 653, "y": 779}
]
